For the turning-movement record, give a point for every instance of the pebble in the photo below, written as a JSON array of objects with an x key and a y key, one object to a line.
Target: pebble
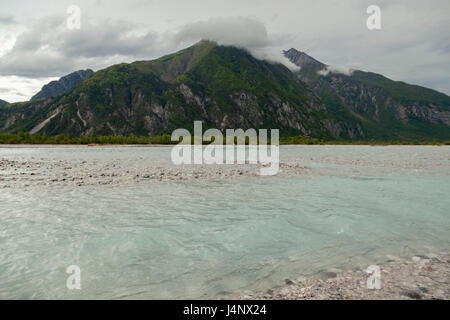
[
  {"x": 126, "y": 171},
  {"x": 399, "y": 281}
]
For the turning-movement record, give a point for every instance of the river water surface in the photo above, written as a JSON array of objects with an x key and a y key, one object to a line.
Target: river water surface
[{"x": 349, "y": 207}]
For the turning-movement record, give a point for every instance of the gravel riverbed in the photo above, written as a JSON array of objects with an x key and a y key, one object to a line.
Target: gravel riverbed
[
  {"x": 43, "y": 172},
  {"x": 424, "y": 277}
]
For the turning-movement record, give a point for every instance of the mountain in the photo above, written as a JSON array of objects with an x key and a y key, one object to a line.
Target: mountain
[
  {"x": 387, "y": 109},
  {"x": 3, "y": 102},
  {"x": 224, "y": 86},
  {"x": 63, "y": 85},
  {"x": 227, "y": 87}
]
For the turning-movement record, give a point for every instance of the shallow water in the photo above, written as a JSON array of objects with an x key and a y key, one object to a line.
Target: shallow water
[{"x": 210, "y": 238}]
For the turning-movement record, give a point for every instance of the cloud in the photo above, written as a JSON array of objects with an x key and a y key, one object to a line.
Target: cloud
[
  {"x": 14, "y": 88},
  {"x": 6, "y": 20},
  {"x": 111, "y": 38},
  {"x": 47, "y": 48},
  {"x": 239, "y": 31},
  {"x": 412, "y": 45},
  {"x": 243, "y": 32},
  {"x": 332, "y": 69}
]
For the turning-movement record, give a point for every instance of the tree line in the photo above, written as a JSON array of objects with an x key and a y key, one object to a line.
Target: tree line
[{"x": 26, "y": 138}]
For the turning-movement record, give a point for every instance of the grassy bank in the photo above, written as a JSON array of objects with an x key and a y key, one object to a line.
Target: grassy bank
[{"x": 26, "y": 138}]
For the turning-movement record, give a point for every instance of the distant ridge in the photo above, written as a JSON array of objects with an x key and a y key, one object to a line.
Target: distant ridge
[
  {"x": 3, "y": 102},
  {"x": 387, "y": 108},
  {"x": 63, "y": 85}
]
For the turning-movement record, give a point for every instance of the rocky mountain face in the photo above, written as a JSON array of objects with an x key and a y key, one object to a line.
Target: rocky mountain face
[
  {"x": 226, "y": 87},
  {"x": 387, "y": 109},
  {"x": 3, "y": 102},
  {"x": 63, "y": 85},
  {"x": 303, "y": 60}
]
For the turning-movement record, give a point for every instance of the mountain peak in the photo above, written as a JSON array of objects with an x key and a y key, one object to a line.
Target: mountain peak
[
  {"x": 302, "y": 59},
  {"x": 170, "y": 66},
  {"x": 63, "y": 85},
  {"x": 3, "y": 102}
]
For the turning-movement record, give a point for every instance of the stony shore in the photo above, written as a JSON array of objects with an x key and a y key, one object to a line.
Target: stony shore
[
  {"x": 27, "y": 170},
  {"x": 80, "y": 172},
  {"x": 424, "y": 277}
]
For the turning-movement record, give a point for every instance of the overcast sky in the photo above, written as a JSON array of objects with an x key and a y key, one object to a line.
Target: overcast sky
[{"x": 36, "y": 46}]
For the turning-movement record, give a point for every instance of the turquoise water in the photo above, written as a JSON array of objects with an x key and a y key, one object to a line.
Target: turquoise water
[{"x": 210, "y": 238}]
